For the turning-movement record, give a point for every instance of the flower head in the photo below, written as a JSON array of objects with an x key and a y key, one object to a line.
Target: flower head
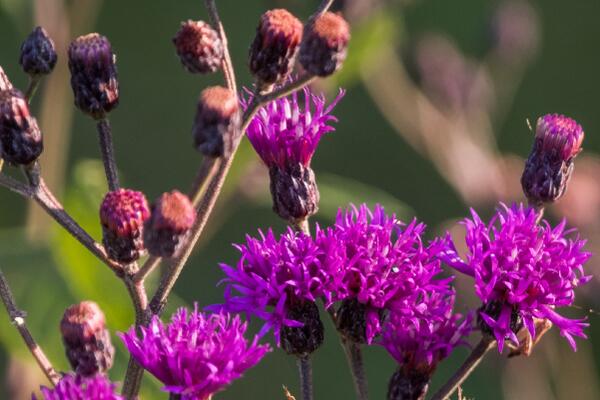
[
  {"x": 273, "y": 273},
  {"x": 38, "y": 55},
  {"x": 386, "y": 264},
  {"x": 522, "y": 271},
  {"x": 76, "y": 387},
  {"x": 284, "y": 132},
  {"x": 196, "y": 354}
]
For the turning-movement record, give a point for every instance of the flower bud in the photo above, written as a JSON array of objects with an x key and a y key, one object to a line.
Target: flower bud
[
  {"x": 123, "y": 213},
  {"x": 275, "y": 46},
  {"x": 38, "y": 56},
  {"x": 20, "y": 137},
  {"x": 93, "y": 75},
  {"x": 217, "y": 119},
  {"x": 294, "y": 191},
  {"x": 550, "y": 164},
  {"x": 325, "y": 44},
  {"x": 171, "y": 219},
  {"x": 408, "y": 385},
  {"x": 4, "y": 81},
  {"x": 199, "y": 47},
  {"x": 87, "y": 341},
  {"x": 302, "y": 341}
]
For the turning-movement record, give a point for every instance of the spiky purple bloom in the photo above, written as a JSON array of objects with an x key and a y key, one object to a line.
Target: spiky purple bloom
[
  {"x": 287, "y": 132},
  {"x": 196, "y": 354},
  {"x": 523, "y": 271},
  {"x": 274, "y": 273},
  {"x": 76, "y": 387},
  {"x": 386, "y": 265}
]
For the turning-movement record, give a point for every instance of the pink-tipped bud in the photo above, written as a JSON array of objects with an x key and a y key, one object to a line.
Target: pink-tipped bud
[
  {"x": 172, "y": 217},
  {"x": 325, "y": 44},
  {"x": 20, "y": 137},
  {"x": 123, "y": 213},
  {"x": 217, "y": 119},
  {"x": 38, "y": 56},
  {"x": 87, "y": 341},
  {"x": 5, "y": 83},
  {"x": 275, "y": 46},
  {"x": 199, "y": 47},
  {"x": 550, "y": 164},
  {"x": 93, "y": 75}
]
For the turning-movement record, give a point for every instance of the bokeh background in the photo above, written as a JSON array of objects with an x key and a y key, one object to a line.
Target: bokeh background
[{"x": 434, "y": 122}]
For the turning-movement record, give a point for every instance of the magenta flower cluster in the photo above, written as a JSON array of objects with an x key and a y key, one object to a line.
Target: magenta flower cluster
[
  {"x": 77, "y": 387},
  {"x": 195, "y": 355},
  {"x": 527, "y": 269},
  {"x": 284, "y": 132}
]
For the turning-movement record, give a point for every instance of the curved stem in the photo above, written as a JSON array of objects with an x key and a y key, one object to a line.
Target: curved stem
[
  {"x": 227, "y": 65},
  {"x": 306, "y": 381},
  {"x": 108, "y": 154},
  {"x": 357, "y": 367},
  {"x": 17, "y": 317},
  {"x": 485, "y": 345},
  {"x": 34, "y": 83}
]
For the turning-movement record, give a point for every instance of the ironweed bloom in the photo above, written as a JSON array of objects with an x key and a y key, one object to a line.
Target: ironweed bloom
[
  {"x": 523, "y": 271},
  {"x": 418, "y": 338},
  {"x": 77, "y": 387},
  {"x": 385, "y": 266},
  {"x": 199, "y": 47},
  {"x": 196, "y": 354},
  {"x": 38, "y": 56},
  {"x": 21, "y": 140},
  {"x": 550, "y": 164},
  {"x": 285, "y": 134}
]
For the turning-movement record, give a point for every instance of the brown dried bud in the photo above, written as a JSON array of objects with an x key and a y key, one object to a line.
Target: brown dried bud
[
  {"x": 304, "y": 340},
  {"x": 325, "y": 44},
  {"x": 93, "y": 75},
  {"x": 86, "y": 339},
  {"x": 294, "y": 191},
  {"x": 199, "y": 47},
  {"x": 20, "y": 137},
  {"x": 275, "y": 46},
  {"x": 38, "y": 56},
  {"x": 4, "y": 81},
  {"x": 172, "y": 216},
  {"x": 123, "y": 213},
  {"x": 408, "y": 385},
  {"x": 217, "y": 119}
]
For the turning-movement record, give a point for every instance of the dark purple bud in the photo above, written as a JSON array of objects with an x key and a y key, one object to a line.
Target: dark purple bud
[
  {"x": 550, "y": 164},
  {"x": 275, "y": 46},
  {"x": 302, "y": 341},
  {"x": 20, "y": 137},
  {"x": 38, "y": 55},
  {"x": 199, "y": 47},
  {"x": 408, "y": 384},
  {"x": 86, "y": 339},
  {"x": 5, "y": 83},
  {"x": 294, "y": 191},
  {"x": 515, "y": 32},
  {"x": 93, "y": 75},
  {"x": 217, "y": 120},
  {"x": 172, "y": 217},
  {"x": 325, "y": 44},
  {"x": 123, "y": 213}
]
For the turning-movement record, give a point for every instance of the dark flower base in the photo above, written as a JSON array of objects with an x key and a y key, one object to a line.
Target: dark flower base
[
  {"x": 124, "y": 249},
  {"x": 408, "y": 385},
  {"x": 493, "y": 309},
  {"x": 351, "y": 321},
  {"x": 306, "y": 339},
  {"x": 294, "y": 191}
]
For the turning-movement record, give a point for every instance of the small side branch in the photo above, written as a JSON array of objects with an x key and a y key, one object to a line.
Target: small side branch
[
  {"x": 17, "y": 318},
  {"x": 357, "y": 368},
  {"x": 227, "y": 64},
  {"x": 108, "y": 155}
]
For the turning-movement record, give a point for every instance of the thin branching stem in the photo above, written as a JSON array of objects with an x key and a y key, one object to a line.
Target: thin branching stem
[
  {"x": 108, "y": 154},
  {"x": 306, "y": 379},
  {"x": 17, "y": 318},
  {"x": 227, "y": 65},
  {"x": 357, "y": 368},
  {"x": 34, "y": 83}
]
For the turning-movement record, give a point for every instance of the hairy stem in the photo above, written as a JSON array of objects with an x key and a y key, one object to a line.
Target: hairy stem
[
  {"x": 108, "y": 155},
  {"x": 227, "y": 65},
  {"x": 357, "y": 368},
  {"x": 306, "y": 381},
  {"x": 34, "y": 83},
  {"x": 17, "y": 318},
  {"x": 485, "y": 345}
]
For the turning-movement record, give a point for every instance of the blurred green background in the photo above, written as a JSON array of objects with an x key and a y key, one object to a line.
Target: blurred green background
[{"x": 366, "y": 159}]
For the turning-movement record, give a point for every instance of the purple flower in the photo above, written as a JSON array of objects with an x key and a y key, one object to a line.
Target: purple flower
[
  {"x": 560, "y": 135},
  {"x": 195, "y": 355},
  {"x": 272, "y": 273},
  {"x": 385, "y": 263},
  {"x": 76, "y": 387},
  {"x": 427, "y": 334},
  {"x": 522, "y": 271},
  {"x": 284, "y": 133}
]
